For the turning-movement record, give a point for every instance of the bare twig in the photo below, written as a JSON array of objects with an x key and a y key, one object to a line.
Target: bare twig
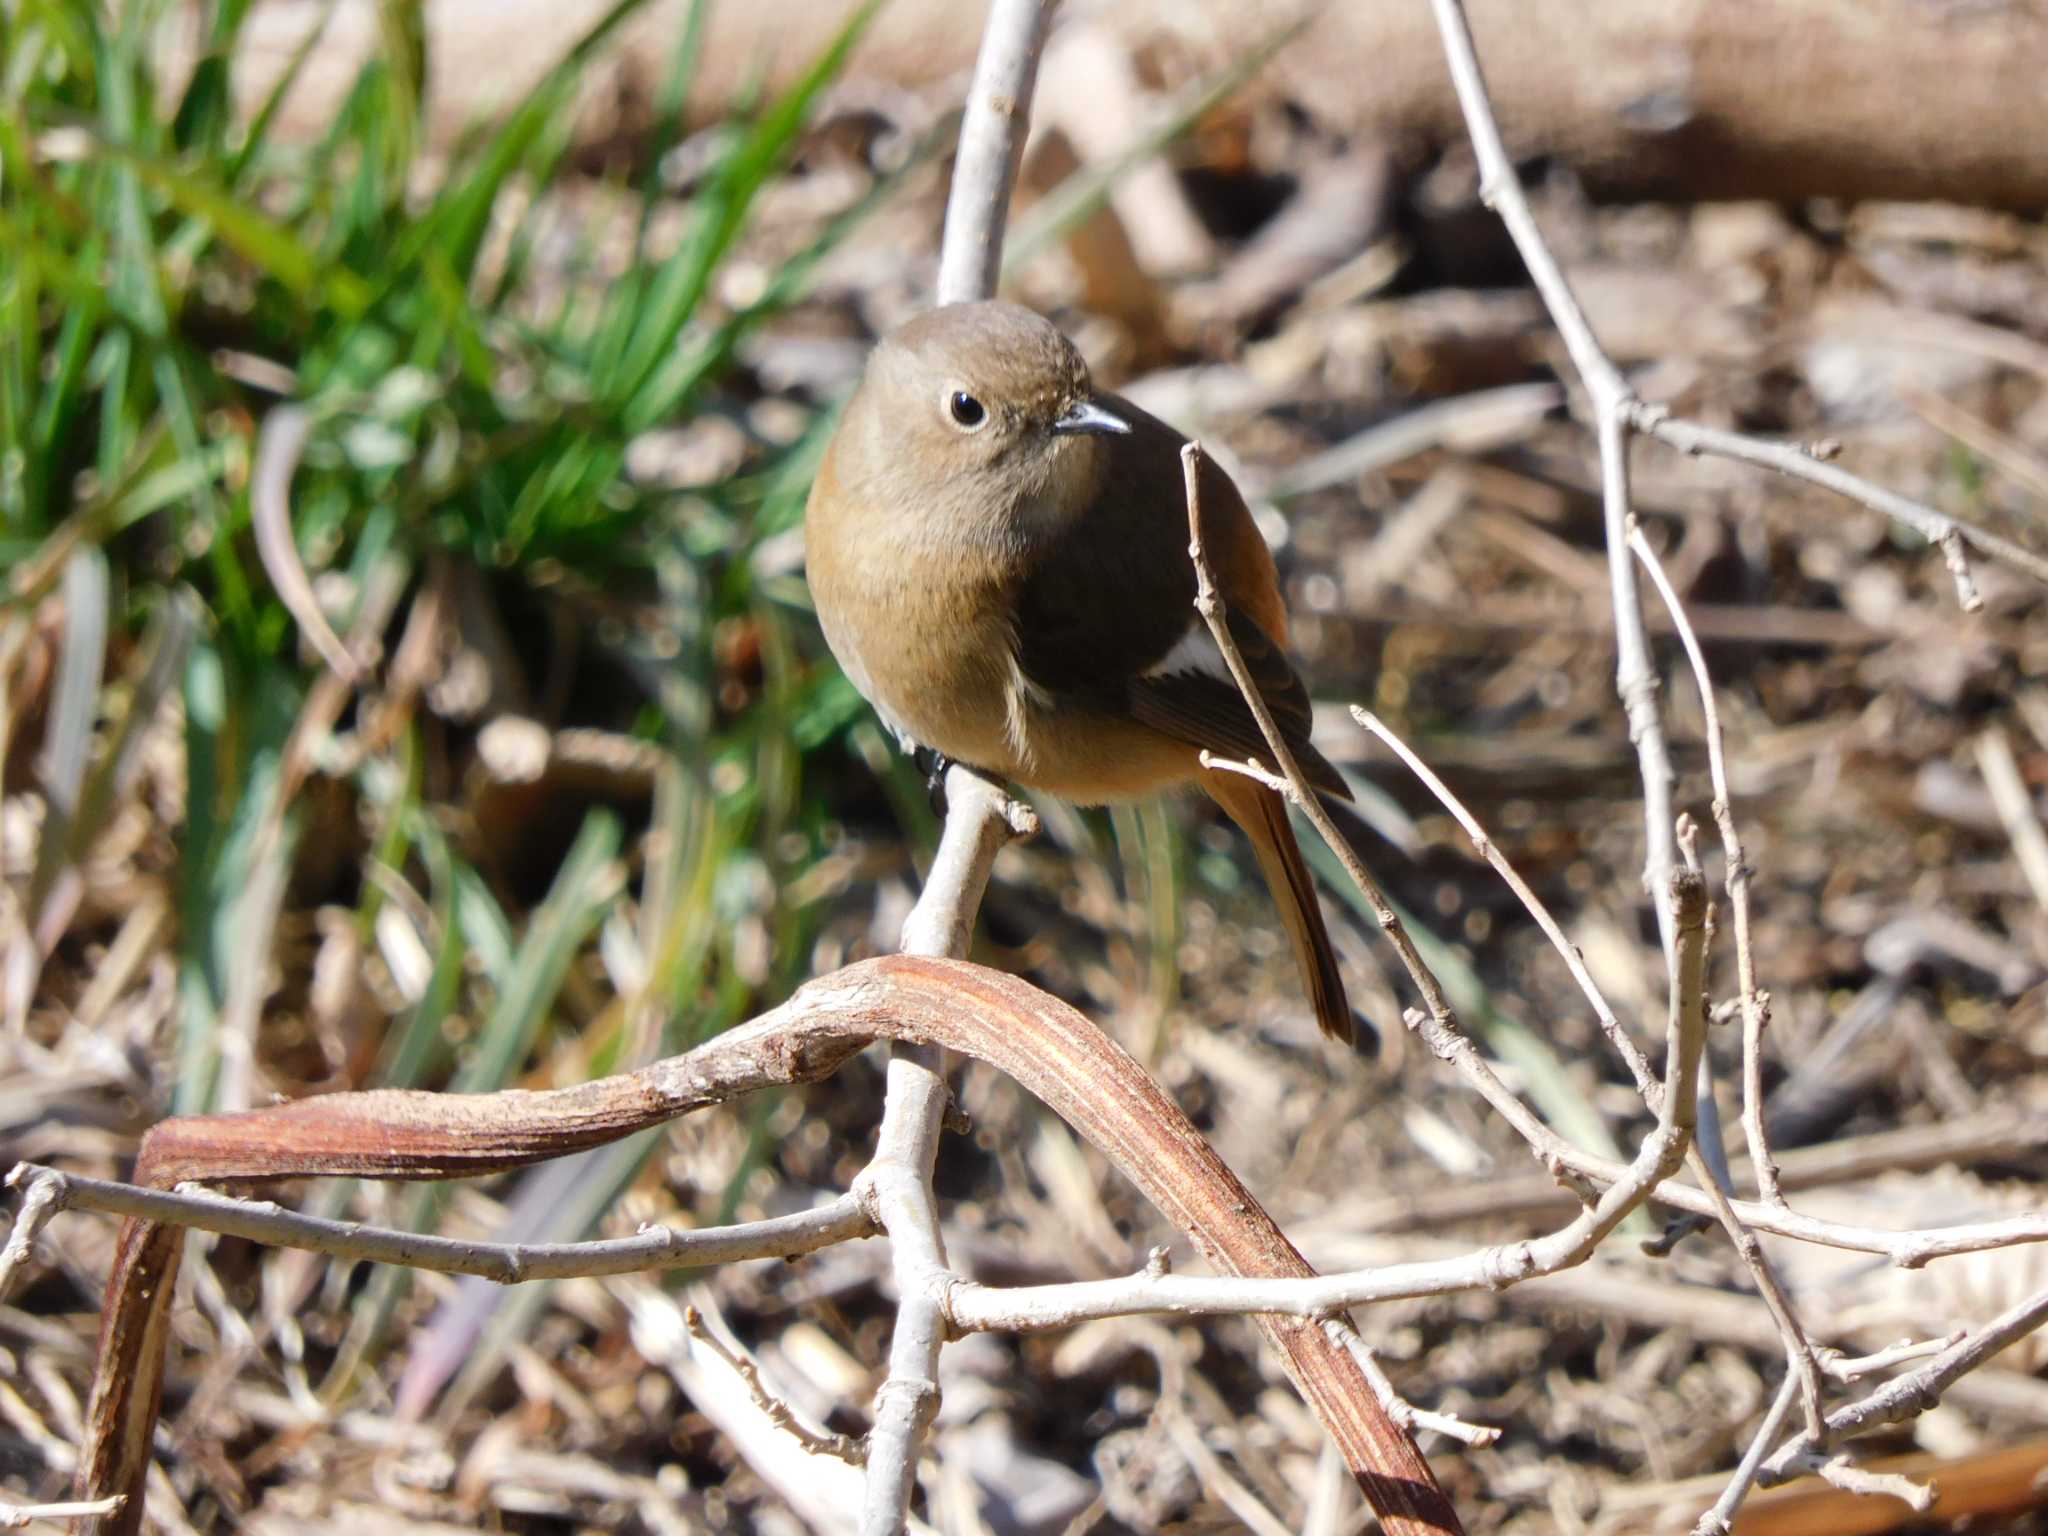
[
  {"x": 840, "y": 1447},
  {"x": 1938, "y": 528},
  {"x": 1403, "y": 1412},
  {"x": 2016, "y": 809},
  {"x": 263, "y": 1221},
  {"x": 1612, "y": 400},
  {"x": 1855, "y": 1367},
  {"x": 1638, "y": 1065},
  {"x": 897, "y": 1185},
  {"x": 1755, "y": 1002},
  {"x": 1719, "y": 1520},
  {"x": 44, "y": 1197},
  {"x": 991, "y": 144},
  {"x": 1905, "y": 1397},
  {"x": 1842, "y": 1473},
  {"x": 1803, "y": 1366},
  {"x": 14, "y": 1517}
]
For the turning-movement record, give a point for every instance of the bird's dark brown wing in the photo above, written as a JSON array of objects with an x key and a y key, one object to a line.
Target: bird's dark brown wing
[
  {"x": 1112, "y": 595},
  {"x": 1203, "y": 709},
  {"x": 1099, "y": 618}
]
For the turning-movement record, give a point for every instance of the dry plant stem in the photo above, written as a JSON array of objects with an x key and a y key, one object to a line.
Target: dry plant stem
[
  {"x": 1905, "y": 1397},
  {"x": 263, "y": 1221},
  {"x": 1718, "y": 1521},
  {"x": 14, "y": 1516},
  {"x": 1615, "y": 404},
  {"x": 43, "y": 1199},
  {"x": 1801, "y": 1362},
  {"x": 1756, "y": 1003},
  {"x": 841, "y": 1447},
  {"x": 1047, "y": 1047},
  {"x": 1575, "y": 962},
  {"x": 897, "y": 1184},
  {"x": 1405, "y": 1413},
  {"x": 1612, "y": 399},
  {"x": 991, "y": 144},
  {"x": 1938, "y": 528},
  {"x": 278, "y": 446},
  {"x": 1209, "y": 604},
  {"x": 1842, "y": 1473}
]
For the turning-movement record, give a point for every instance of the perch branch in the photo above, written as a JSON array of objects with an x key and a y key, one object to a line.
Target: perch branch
[{"x": 896, "y": 1186}]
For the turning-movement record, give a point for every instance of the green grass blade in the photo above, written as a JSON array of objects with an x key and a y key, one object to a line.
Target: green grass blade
[
  {"x": 584, "y": 889},
  {"x": 680, "y": 285}
]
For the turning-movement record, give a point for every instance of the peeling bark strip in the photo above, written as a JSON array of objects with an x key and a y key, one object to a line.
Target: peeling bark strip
[{"x": 1049, "y": 1048}]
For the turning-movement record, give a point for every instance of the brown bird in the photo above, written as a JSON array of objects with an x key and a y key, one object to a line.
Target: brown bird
[{"x": 999, "y": 558}]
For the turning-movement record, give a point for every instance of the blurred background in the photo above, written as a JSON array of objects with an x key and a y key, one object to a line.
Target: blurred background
[{"x": 567, "y": 297}]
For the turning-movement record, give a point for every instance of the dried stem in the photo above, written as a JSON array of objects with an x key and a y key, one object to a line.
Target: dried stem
[
  {"x": 1209, "y": 604},
  {"x": 1755, "y": 1002},
  {"x": 897, "y": 1185},
  {"x": 278, "y": 447},
  {"x": 263, "y": 1221},
  {"x": 1610, "y": 1026},
  {"x": 1907, "y": 1396},
  {"x": 991, "y": 145}
]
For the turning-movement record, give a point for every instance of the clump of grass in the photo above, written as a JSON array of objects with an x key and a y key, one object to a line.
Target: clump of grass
[{"x": 170, "y": 273}]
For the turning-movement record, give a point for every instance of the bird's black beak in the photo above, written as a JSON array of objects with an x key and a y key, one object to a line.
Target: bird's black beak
[{"x": 1087, "y": 416}]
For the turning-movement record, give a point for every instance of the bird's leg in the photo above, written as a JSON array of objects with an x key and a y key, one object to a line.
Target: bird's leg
[{"x": 933, "y": 764}]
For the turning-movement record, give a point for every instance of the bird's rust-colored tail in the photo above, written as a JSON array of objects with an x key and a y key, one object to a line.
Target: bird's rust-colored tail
[{"x": 1262, "y": 814}]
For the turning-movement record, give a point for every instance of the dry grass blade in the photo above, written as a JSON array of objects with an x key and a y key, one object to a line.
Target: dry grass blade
[{"x": 278, "y": 446}]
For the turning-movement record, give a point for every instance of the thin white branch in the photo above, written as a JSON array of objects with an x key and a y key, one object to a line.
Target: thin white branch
[
  {"x": 1399, "y": 1409},
  {"x": 264, "y": 1221},
  {"x": 1842, "y": 1473},
  {"x": 972, "y": 1307},
  {"x": 1801, "y": 1361},
  {"x": 14, "y": 1517},
  {"x": 991, "y": 145},
  {"x": 1938, "y": 528},
  {"x": 1575, "y": 962},
  {"x": 1907, "y": 1396},
  {"x": 1719, "y": 1520},
  {"x": 839, "y": 1447},
  {"x": 46, "y": 1195},
  {"x": 1754, "y": 1001},
  {"x": 897, "y": 1186}
]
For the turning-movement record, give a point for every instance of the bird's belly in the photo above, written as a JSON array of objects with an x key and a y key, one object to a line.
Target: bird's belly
[
  {"x": 1091, "y": 757},
  {"x": 961, "y": 694},
  {"x": 946, "y": 687}
]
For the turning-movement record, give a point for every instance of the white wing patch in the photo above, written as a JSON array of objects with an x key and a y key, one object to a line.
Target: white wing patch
[{"x": 1195, "y": 651}]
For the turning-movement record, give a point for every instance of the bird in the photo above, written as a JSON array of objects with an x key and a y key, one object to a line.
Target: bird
[{"x": 998, "y": 555}]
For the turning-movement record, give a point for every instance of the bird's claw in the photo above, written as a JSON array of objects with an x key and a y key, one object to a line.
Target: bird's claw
[{"x": 933, "y": 764}]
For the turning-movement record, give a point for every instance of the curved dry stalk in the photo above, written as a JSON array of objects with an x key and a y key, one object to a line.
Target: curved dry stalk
[
  {"x": 279, "y": 443},
  {"x": 1049, "y": 1048}
]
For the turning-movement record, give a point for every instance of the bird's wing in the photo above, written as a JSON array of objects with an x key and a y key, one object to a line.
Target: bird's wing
[
  {"x": 1109, "y": 622},
  {"x": 1191, "y": 696}
]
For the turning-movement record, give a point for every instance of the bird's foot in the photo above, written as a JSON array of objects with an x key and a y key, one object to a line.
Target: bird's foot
[{"x": 933, "y": 764}]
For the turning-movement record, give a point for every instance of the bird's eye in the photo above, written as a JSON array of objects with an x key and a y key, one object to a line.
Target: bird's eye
[{"x": 968, "y": 413}]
